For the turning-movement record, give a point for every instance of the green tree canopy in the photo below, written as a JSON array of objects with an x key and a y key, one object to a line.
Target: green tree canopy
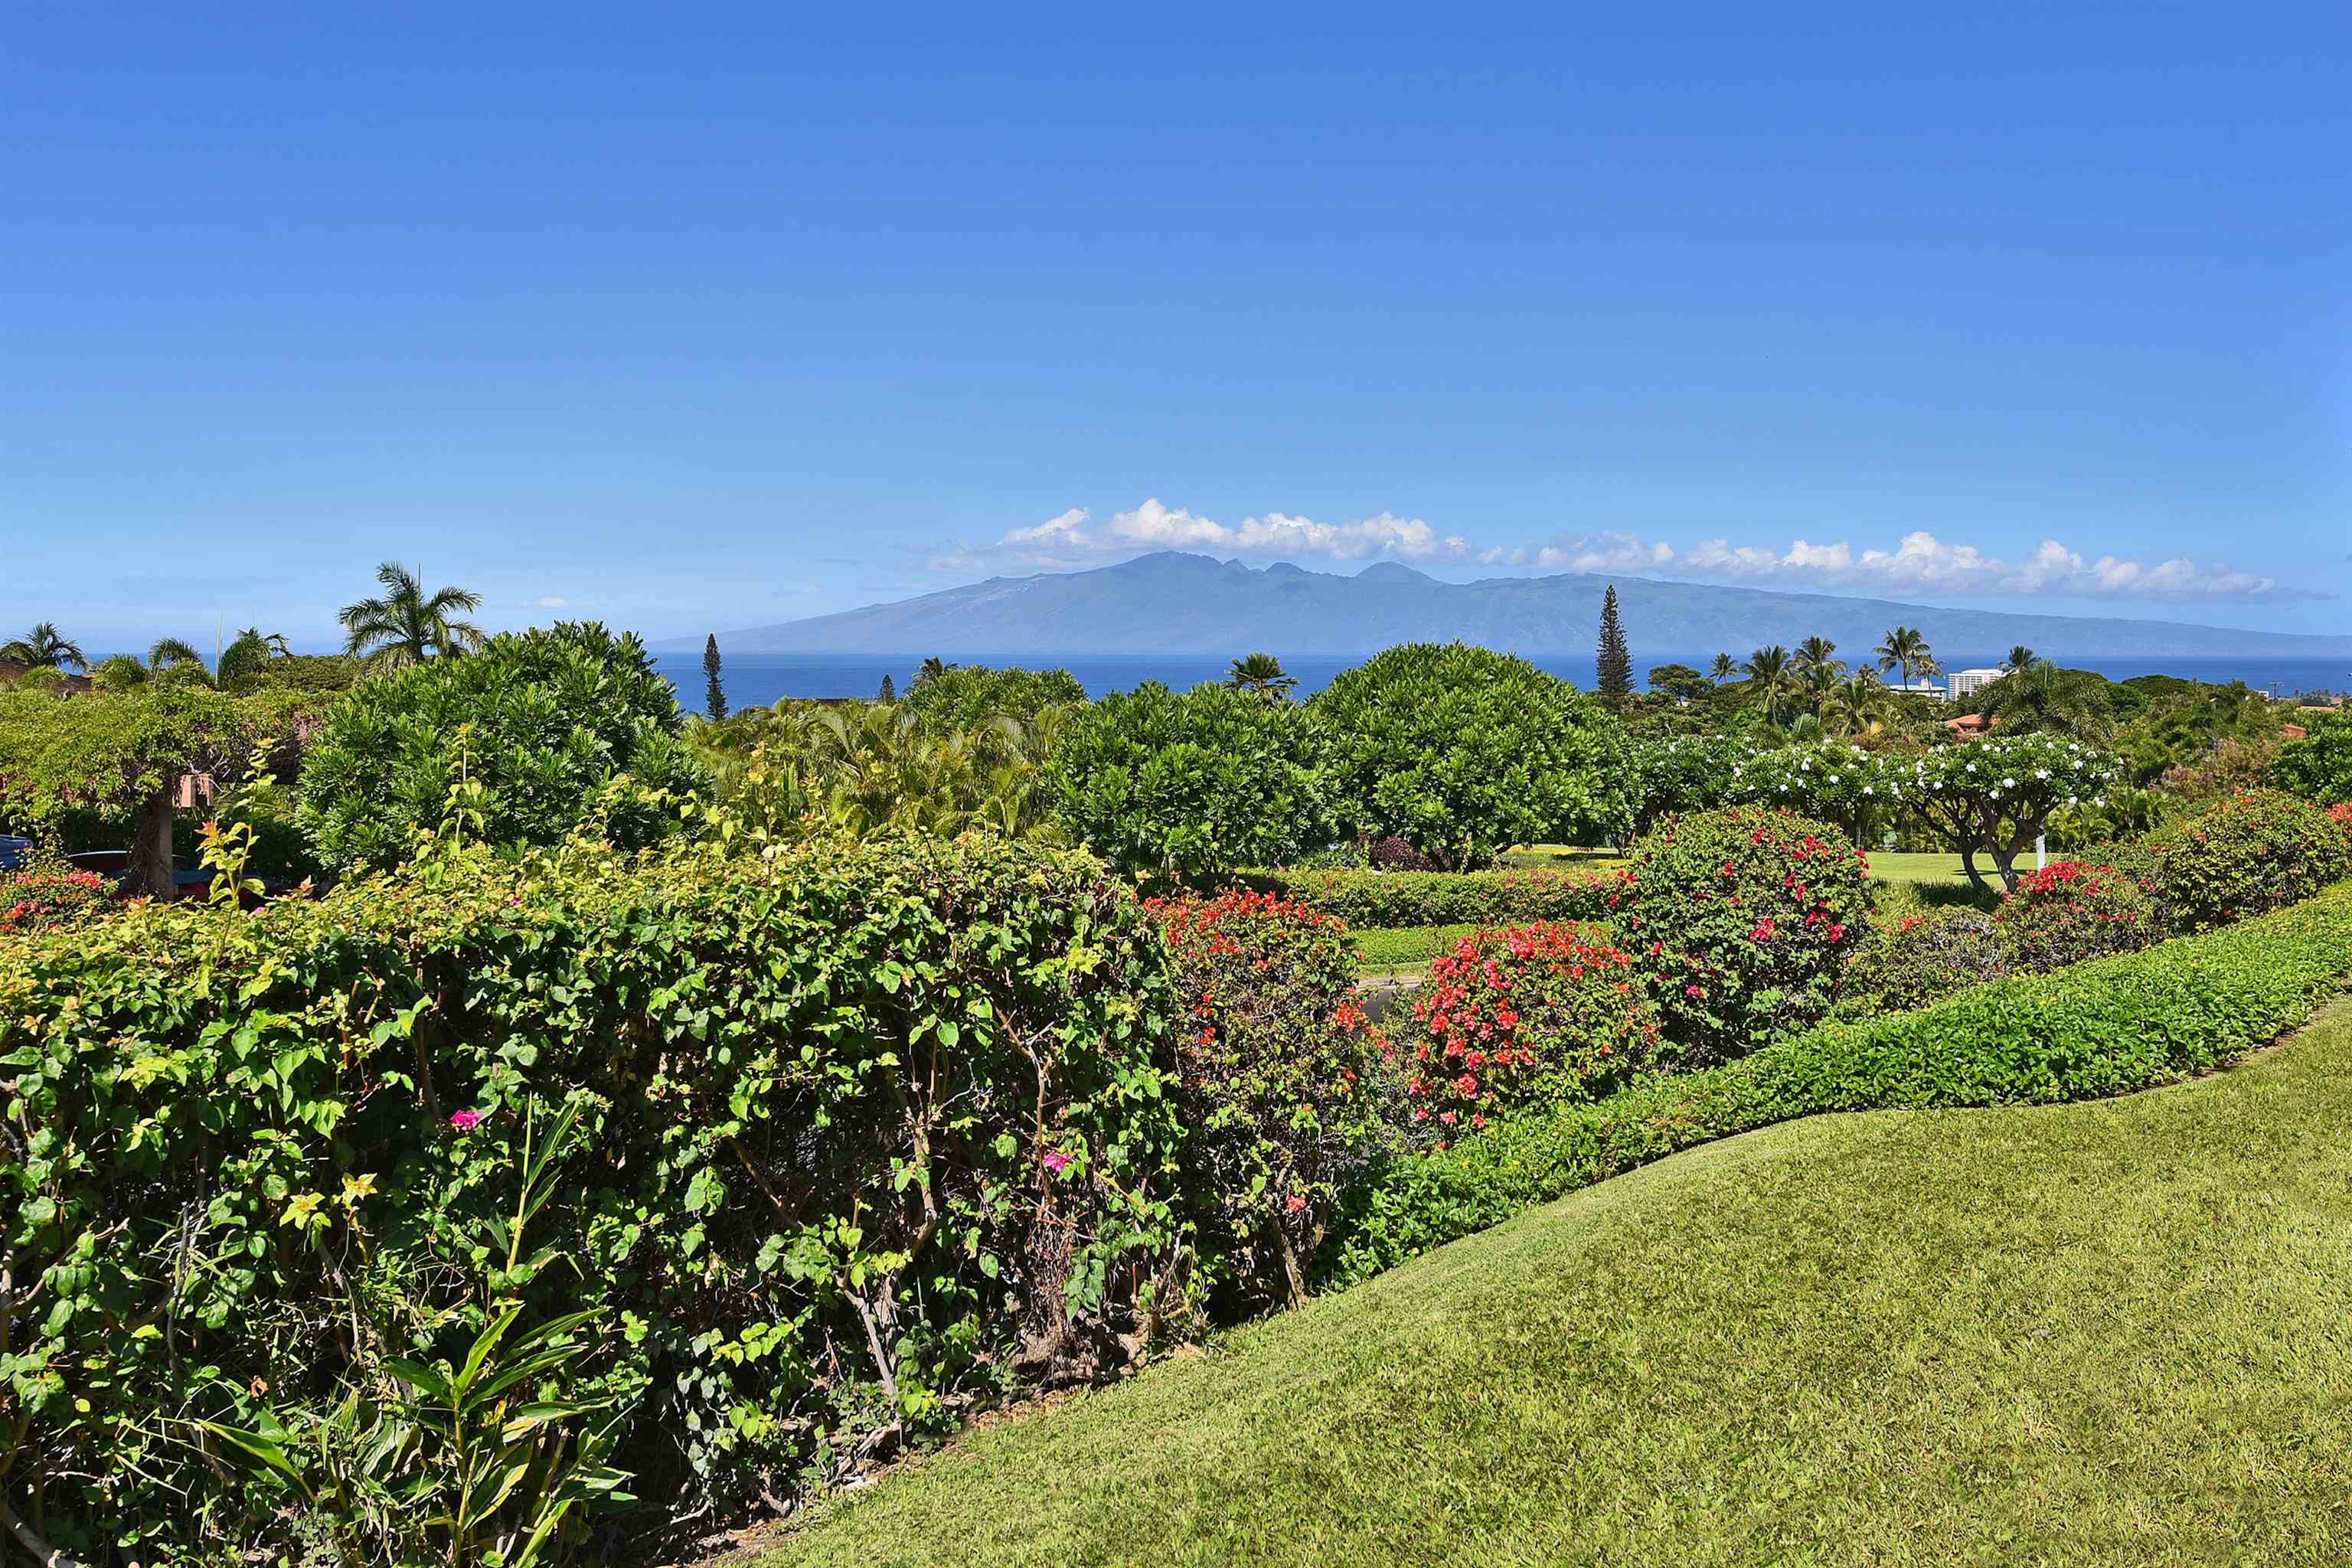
[
  {"x": 2318, "y": 766},
  {"x": 124, "y": 752},
  {"x": 962, "y": 697},
  {"x": 533, "y": 728},
  {"x": 1463, "y": 751},
  {"x": 1205, "y": 781}
]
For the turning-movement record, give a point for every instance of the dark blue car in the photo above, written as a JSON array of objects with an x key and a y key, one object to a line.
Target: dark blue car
[{"x": 13, "y": 852}]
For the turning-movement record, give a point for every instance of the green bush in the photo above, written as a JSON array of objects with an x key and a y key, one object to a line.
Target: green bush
[
  {"x": 1462, "y": 753},
  {"x": 1386, "y": 899},
  {"x": 1748, "y": 915},
  {"x": 1535, "y": 1014},
  {"x": 2169, "y": 1012},
  {"x": 866, "y": 1133},
  {"x": 519, "y": 744},
  {"x": 959, "y": 698},
  {"x": 1192, "y": 783},
  {"x": 1918, "y": 956},
  {"x": 2318, "y": 766},
  {"x": 2242, "y": 856},
  {"x": 1283, "y": 1084},
  {"x": 2072, "y": 910}
]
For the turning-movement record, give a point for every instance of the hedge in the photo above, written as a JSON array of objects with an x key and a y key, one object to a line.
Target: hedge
[
  {"x": 1367, "y": 900},
  {"x": 2165, "y": 1013},
  {"x": 866, "y": 1131}
]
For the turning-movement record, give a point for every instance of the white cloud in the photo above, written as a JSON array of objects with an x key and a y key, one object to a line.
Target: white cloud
[
  {"x": 1074, "y": 539},
  {"x": 1920, "y": 562},
  {"x": 551, "y": 602}
]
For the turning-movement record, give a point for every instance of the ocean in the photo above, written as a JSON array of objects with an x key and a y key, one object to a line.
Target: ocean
[{"x": 756, "y": 679}]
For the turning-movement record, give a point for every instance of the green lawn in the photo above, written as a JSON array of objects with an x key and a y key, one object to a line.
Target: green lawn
[{"x": 2118, "y": 1333}]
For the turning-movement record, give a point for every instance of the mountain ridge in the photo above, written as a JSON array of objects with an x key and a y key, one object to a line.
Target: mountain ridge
[{"x": 1174, "y": 602}]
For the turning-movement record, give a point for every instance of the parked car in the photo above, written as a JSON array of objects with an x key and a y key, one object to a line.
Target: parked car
[{"x": 13, "y": 852}]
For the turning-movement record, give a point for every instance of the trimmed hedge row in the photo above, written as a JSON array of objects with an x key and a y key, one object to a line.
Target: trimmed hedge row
[
  {"x": 863, "y": 1133},
  {"x": 1386, "y": 899},
  {"x": 2114, "y": 1024}
]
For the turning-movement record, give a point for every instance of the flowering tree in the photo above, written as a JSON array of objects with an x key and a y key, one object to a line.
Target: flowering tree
[{"x": 1996, "y": 794}]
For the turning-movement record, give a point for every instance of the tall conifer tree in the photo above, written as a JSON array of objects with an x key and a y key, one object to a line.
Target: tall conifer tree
[
  {"x": 714, "y": 696},
  {"x": 1616, "y": 664}
]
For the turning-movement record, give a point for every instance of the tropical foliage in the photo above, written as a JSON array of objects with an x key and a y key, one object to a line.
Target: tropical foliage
[
  {"x": 404, "y": 626},
  {"x": 542, "y": 733},
  {"x": 1462, "y": 753},
  {"x": 1192, "y": 783}
]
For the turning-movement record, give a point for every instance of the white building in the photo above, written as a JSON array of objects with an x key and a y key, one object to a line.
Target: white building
[
  {"x": 1967, "y": 683},
  {"x": 1934, "y": 689}
]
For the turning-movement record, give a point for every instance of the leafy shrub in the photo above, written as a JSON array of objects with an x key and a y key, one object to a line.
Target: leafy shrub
[
  {"x": 962, "y": 697},
  {"x": 2070, "y": 911},
  {"x": 2318, "y": 766},
  {"x": 1281, "y": 1081},
  {"x": 2340, "y": 814},
  {"x": 42, "y": 896},
  {"x": 1916, "y": 956},
  {"x": 1385, "y": 898},
  {"x": 2167, "y": 1013},
  {"x": 868, "y": 1132},
  {"x": 1747, "y": 914},
  {"x": 1192, "y": 783},
  {"x": 1536, "y": 1014},
  {"x": 2246, "y": 856},
  {"x": 519, "y": 744},
  {"x": 1462, "y": 753}
]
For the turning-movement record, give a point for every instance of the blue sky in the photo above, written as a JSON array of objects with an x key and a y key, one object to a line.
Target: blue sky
[{"x": 718, "y": 316}]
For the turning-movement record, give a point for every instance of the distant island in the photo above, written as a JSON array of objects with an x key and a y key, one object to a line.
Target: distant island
[{"x": 1175, "y": 603}]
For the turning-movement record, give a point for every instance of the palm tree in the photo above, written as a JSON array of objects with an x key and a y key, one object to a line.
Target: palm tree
[
  {"x": 2020, "y": 658},
  {"x": 1769, "y": 678},
  {"x": 247, "y": 654},
  {"x": 1263, "y": 673},
  {"x": 45, "y": 645},
  {"x": 1904, "y": 648},
  {"x": 407, "y": 626},
  {"x": 1816, "y": 658},
  {"x": 1722, "y": 669},
  {"x": 1856, "y": 707}
]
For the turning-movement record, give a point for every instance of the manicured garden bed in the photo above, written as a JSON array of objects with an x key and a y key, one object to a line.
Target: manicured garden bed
[{"x": 2110, "y": 1333}]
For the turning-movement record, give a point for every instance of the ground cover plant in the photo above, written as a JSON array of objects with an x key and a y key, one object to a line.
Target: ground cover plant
[{"x": 2099, "y": 1334}]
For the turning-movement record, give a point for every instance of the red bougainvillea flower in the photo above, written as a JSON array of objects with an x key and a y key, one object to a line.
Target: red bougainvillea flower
[
  {"x": 465, "y": 1120},
  {"x": 1294, "y": 1202},
  {"x": 1054, "y": 1161}
]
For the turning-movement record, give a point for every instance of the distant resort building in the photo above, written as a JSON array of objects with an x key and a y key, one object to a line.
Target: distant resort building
[{"x": 1967, "y": 683}]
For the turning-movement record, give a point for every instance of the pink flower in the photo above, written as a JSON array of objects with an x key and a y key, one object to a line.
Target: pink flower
[
  {"x": 1294, "y": 1202},
  {"x": 1055, "y": 1162},
  {"x": 465, "y": 1120}
]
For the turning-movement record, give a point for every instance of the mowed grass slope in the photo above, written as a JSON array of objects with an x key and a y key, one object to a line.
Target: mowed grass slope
[{"x": 2118, "y": 1333}]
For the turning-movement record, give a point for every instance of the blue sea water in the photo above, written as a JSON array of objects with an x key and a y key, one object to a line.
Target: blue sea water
[{"x": 755, "y": 680}]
